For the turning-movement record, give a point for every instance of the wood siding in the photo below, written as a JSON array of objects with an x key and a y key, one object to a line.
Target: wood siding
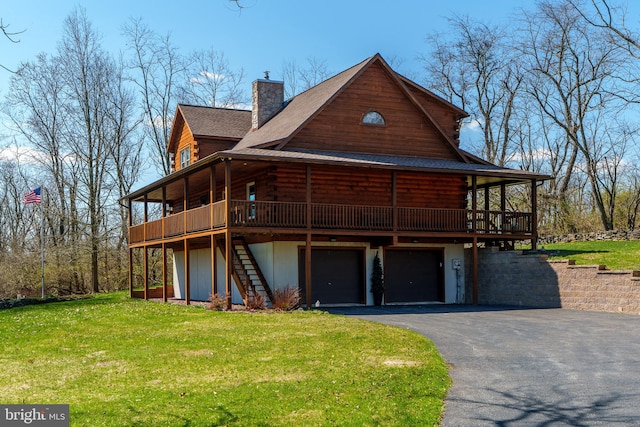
[
  {"x": 364, "y": 187},
  {"x": 185, "y": 139},
  {"x": 407, "y": 131},
  {"x": 208, "y": 146},
  {"x": 447, "y": 118},
  {"x": 334, "y": 185},
  {"x": 431, "y": 190}
]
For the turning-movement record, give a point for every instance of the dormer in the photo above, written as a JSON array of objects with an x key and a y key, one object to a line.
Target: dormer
[{"x": 201, "y": 131}]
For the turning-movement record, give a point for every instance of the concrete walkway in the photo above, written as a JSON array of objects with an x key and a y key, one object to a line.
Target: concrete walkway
[{"x": 548, "y": 367}]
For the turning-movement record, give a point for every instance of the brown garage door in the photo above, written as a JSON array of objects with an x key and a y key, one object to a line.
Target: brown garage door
[
  {"x": 413, "y": 275},
  {"x": 337, "y": 276}
]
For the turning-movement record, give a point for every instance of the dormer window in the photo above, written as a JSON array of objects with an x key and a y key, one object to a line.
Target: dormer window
[
  {"x": 373, "y": 118},
  {"x": 185, "y": 157}
]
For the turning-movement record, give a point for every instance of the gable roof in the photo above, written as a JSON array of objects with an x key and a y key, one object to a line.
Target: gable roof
[
  {"x": 299, "y": 110},
  {"x": 221, "y": 123},
  {"x": 304, "y": 107}
]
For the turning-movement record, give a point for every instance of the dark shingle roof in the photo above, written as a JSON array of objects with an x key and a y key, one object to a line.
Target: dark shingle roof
[
  {"x": 382, "y": 161},
  {"x": 216, "y": 122}
]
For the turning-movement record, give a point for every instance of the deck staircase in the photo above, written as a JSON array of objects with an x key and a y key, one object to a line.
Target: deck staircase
[{"x": 246, "y": 272}]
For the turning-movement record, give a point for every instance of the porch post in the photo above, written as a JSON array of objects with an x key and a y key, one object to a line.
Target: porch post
[
  {"x": 187, "y": 273},
  {"x": 214, "y": 263},
  {"x": 164, "y": 272},
  {"x": 474, "y": 262},
  {"x": 212, "y": 197},
  {"x": 130, "y": 272},
  {"x": 307, "y": 253},
  {"x": 503, "y": 204},
  {"x": 146, "y": 271},
  {"x": 227, "y": 233},
  {"x": 307, "y": 270},
  {"x": 130, "y": 251},
  {"x": 534, "y": 215},
  {"x": 130, "y": 203}
]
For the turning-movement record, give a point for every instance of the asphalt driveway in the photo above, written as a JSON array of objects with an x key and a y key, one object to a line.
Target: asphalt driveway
[{"x": 547, "y": 367}]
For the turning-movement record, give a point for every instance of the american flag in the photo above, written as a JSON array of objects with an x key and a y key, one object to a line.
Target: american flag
[{"x": 32, "y": 196}]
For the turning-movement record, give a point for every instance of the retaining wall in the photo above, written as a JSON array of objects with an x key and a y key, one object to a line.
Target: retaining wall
[{"x": 531, "y": 280}]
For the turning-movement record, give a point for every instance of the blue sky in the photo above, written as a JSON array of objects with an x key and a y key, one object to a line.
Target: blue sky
[{"x": 262, "y": 36}]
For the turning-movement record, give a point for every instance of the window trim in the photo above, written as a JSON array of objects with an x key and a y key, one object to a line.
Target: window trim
[
  {"x": 375, "y": 115},
  {"x": 187, "y": 161},
  {"x": 251, "y": 197}
]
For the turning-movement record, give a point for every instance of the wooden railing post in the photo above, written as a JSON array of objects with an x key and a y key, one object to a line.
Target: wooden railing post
[{"x": 474, "y": 203}]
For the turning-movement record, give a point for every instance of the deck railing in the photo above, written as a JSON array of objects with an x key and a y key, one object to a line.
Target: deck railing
[{"x": 331, "y": 217}]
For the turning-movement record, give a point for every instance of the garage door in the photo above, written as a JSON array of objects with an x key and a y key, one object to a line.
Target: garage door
[
  {"x": 337, "y": 276},
  {"x": 413, "y": 276}
]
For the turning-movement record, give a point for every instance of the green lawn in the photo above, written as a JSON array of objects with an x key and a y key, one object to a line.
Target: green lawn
[
  {"x": 616, "y": 255},
  {"x": 123, "y": 362}
]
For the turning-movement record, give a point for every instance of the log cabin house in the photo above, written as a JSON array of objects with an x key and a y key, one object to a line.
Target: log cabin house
[{"x": 305, "y": 193}]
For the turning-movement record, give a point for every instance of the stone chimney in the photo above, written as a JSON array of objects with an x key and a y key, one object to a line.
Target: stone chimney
[{"x": 267, "y": 100}]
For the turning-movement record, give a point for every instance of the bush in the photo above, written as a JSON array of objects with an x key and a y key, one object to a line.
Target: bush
[
  {"x": 255, "y": 301},
  {"x": 217, "y": 302},
  {"x": 286, "y": 299}
]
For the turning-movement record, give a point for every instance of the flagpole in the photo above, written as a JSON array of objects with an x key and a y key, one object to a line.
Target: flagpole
[{"x": 42, "y": 236}]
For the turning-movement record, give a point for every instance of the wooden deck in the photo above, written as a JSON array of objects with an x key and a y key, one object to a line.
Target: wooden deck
[{"x": 284, "y": 215}]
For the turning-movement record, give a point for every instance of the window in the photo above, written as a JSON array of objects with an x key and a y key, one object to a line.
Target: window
[
  {"x": 185, "y": 157},
  {"x": 251, "y": 197},
  {"x": 373, "y": 118}
]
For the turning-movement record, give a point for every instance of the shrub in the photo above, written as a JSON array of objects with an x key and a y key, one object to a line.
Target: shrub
[
  {"x": 286, "y": 299},
  {"x": 217, "y": 302},
  {"x": 255, "y": 301}
]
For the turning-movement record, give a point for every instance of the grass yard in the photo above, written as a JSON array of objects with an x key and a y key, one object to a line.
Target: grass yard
[
  {"x": 616, "y": 255},
  {"x": 124, "y": 362}
]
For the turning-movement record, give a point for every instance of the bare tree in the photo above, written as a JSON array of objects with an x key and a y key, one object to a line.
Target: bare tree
[
  {"x": 610, "y": 16},
  {"x": 211, "y": 81},
  {"x": 125, "y": 151},
  {"x": 573, "y": 80},
  {"x": 299, "y": 79},
  {"x": 35, "y": 104},
  {"x": 89, "y": 74},
  {"x": 157, "y": 69},
  {"x": 475, "y": 69},
  {"x": 9, "y": 35}
]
